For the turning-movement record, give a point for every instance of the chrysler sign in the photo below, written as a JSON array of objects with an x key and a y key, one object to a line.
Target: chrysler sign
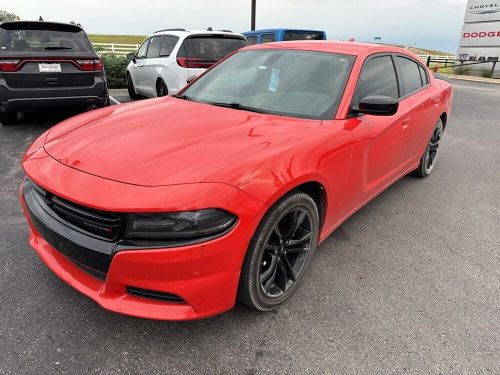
[{"x": 482, "y": 11}]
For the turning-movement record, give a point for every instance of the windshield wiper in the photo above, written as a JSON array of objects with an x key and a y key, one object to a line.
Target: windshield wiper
[
  {"x": 184, "y": 97},
  {"x": 237, "y": 106}
]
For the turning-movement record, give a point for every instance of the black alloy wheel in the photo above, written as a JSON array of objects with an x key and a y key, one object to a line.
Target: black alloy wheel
[
  {"x": 280, "y": 252},
  {"x": 428, "y": 160}
]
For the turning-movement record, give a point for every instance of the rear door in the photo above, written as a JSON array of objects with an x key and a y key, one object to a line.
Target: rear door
[
  {"x": 424, "y": 99},
  {"x": 44, "y": 55},
  {"x": 200, "y": 52},
  {"x": 152, "y": 65},
  {"x": 379, "y": 141}
]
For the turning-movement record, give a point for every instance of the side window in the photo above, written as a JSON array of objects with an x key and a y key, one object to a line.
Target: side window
[
  {"x": 377, "y": 78},
  {"x": 268, "y": 38},
  {"x": 154, "y": 47},
  {"x": 423, "y": 74},
  {"x": 141, "y": 53},
  {"x": 252, "y": 39},
  {"x": 410, "y": 73},
  {"x": 168, "y": 45}
]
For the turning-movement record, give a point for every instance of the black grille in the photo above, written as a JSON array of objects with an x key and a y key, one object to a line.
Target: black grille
[{"x": 105, "y": 225}]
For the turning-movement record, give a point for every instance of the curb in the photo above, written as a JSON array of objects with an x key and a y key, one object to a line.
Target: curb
[{"x": 472, "y": 78}]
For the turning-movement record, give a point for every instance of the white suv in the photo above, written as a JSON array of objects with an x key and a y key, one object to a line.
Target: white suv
[{"x": 170, "y": 58}]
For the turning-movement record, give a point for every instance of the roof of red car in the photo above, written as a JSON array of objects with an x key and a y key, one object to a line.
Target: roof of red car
[{"x": 348, "y": 48}]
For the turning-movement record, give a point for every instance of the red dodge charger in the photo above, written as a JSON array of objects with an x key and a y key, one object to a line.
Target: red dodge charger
[{"x": 174, "y": 208}]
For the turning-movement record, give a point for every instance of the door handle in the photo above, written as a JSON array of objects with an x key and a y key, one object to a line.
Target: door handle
[
  {"x": 405, "y": 123},
  {"x": 436, "y": 101}
]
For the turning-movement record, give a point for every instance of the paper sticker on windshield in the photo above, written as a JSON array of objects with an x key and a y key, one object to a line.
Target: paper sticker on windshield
[{"x": 274, "y": 82}]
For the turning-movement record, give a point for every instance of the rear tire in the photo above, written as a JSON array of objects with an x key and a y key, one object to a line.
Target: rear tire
[
  {"x": 428, "y": 160},
  {"x": 279, "y": 253},
  {"x": 10, "y": 118},
  {"x": 161, "y": 89},
  {"x": 131, "y": 88}
]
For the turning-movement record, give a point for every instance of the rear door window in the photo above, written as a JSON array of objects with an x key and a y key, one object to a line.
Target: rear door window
[
  {"x": 377, "y": 78},
  {"x": 297, "y": 35},
  {"x": 34, "y": 38},
  {"x": 410, "y": 72},
  {"x": 268, "y": 38},
  {"x": 203, "y": 51},
  {"x": 423, "y": 74},
  {"x": 154, "y": 47},
  {"x": 252, "y": 39},
  {"x": 167, "y": 46}
]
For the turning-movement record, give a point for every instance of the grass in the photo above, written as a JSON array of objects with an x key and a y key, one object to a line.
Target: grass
[{"x": 121, "y": 39}]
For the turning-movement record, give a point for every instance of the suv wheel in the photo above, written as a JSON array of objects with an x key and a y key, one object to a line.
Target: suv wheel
[
  {"x": 161, "y": 89},
  {"x": 9, "y": 118},
  {"x": 131, "y": 89}
]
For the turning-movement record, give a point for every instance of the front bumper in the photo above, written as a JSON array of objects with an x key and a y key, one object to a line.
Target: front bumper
[{"x": 205, "y": 275}]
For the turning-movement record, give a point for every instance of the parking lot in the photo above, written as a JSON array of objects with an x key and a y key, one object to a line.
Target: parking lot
[{"x": 409, "y": 284}]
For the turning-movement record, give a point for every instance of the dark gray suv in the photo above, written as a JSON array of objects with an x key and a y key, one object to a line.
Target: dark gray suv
[{"x": 47, "y": 65}]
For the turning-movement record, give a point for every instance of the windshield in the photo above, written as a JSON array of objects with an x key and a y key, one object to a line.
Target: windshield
[
  {"x": 301, "y": 84},
  {"x": 37, "y": 40}
]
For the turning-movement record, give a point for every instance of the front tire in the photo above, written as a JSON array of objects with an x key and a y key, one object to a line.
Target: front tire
[
  {"x": 280, "y": 252},
  {"x": 131, "y": 88},
  {"x": 428, "y": 160}
]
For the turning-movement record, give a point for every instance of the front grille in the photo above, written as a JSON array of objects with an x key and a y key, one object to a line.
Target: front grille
[{"x": 104, "y": 225}]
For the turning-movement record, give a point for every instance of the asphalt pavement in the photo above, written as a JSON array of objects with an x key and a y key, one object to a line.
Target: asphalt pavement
[{"x": 409, "y": 284}]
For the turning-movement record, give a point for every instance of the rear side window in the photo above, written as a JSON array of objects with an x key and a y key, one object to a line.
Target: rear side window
[
  {"x": 37, "y": 39},
  {"x": 377, "y": 78},
  {"x": 210, "y": 49},
  {"x": 410, "y": 73},
  {"x": 168, "y": 45},
  {"x": 268, "y": 38},
  {"x": 423, "y": 74},
  {"x": 141, "y": 53},
  {"x": 252, "y": 39},
  {"x": 154, "y": 47},
  {"x": 296, "y": 35}
]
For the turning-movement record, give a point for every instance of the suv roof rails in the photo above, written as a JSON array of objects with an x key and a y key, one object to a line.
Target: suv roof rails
[
  {"x": 174, "y": 29},
  {"x": 226, "y": 31}
]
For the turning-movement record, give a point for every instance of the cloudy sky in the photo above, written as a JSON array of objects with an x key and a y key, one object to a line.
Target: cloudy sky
[{"x": 424, "y": 23}]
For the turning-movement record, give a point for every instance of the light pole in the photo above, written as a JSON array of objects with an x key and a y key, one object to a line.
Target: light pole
[{"x": 252, "y": 26}]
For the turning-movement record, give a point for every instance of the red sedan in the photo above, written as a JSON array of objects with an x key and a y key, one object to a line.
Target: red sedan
[{"x": 174, "y": 208}]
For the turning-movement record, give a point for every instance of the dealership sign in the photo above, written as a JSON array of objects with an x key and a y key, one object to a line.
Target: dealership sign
[
  {"x": 481, "y": 35},
  {"x": 482, "y": 11}
]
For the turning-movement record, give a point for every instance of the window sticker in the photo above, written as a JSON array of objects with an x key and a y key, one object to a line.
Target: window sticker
[{"x": 274, "y": 82}]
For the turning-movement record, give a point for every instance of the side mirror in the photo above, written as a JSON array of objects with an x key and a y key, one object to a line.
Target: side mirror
[
  {"x": 191, "y": 78},
  {"x": 131, "y": 56},
  {"x": 377, "y": 105}
]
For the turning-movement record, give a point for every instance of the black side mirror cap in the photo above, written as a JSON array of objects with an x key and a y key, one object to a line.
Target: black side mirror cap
[
  {"x": 131, "y": 56},
  {"x": 377, "y": 105}
]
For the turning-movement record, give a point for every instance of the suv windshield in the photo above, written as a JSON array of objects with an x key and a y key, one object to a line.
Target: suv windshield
[
  {"x": 291, "y": 83},
  {"x": 38, "y": 39}
]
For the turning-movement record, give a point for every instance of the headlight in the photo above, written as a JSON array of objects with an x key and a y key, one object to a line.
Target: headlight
[{"x": 179, "y": 225}]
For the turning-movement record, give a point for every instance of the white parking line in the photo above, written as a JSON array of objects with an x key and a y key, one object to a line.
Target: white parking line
[{"x": 114, "y": 100}]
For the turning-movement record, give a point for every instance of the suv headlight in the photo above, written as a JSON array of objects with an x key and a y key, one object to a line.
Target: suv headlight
[{"x": 185, "y": 225}]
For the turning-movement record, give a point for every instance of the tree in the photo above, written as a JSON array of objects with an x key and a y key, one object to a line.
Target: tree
[{"x": 6, "y": 16}]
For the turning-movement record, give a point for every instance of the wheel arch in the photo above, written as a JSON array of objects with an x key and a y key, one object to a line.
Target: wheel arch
[
  {"x": 158, "y": 79},
  {"x": 444, "y": 119}
]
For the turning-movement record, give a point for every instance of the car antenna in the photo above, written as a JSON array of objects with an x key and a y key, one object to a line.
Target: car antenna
[
  {"x": 210, "y": 29},
  {"x": 40, "y": 18}
]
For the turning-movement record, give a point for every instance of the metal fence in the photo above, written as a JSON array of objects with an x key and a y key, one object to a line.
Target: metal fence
[{"x": 115, "y": 48}]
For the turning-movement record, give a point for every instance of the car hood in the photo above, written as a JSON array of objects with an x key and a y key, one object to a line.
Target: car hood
[{"x": 170, "y": 141}]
